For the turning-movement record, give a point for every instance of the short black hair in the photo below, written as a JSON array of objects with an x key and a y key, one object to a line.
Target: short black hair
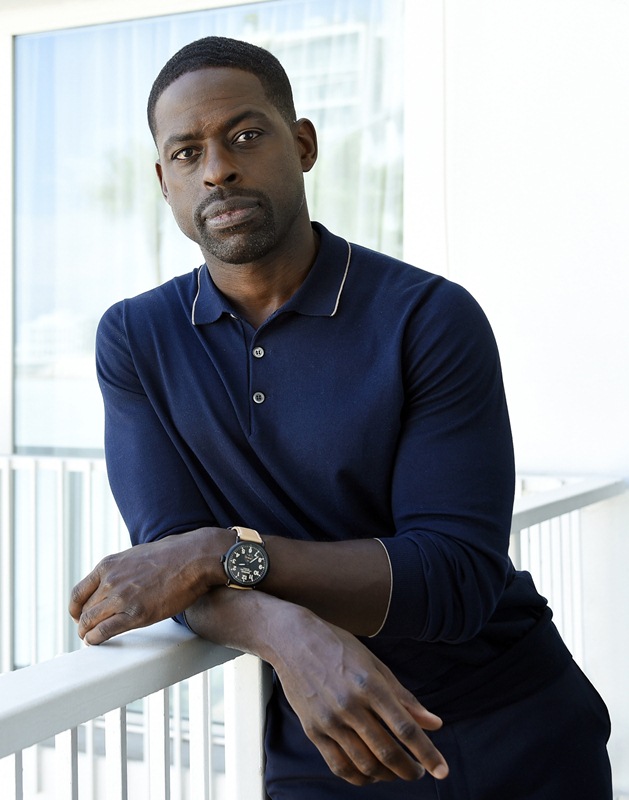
[{"x": 219, "y": 51}]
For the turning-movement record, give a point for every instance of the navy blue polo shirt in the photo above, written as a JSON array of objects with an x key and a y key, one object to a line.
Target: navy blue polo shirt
[{"x": 370, "y": 405}]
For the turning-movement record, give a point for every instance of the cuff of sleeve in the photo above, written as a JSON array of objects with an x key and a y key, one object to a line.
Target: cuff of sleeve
[
  {"x": 408, "y": 601},
  {"x": 386, "y": 613}
]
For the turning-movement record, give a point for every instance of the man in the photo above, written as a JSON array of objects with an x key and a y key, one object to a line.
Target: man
[{"x": 327, "y": 426}]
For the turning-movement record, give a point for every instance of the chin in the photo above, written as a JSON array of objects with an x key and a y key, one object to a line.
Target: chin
[{"x": 240, "y": 249}]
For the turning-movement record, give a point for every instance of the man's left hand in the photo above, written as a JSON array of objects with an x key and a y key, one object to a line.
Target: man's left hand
[{"x": 145, "y": 584}]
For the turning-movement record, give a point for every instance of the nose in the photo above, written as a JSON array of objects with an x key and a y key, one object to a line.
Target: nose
[{"x": 220, "y": 168}]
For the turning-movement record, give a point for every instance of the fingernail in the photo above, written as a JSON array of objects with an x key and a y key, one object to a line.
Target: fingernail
[{"x": 440, "y": 772}]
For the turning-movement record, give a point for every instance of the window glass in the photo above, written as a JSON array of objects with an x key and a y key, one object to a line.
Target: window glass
[{"x": 91, "y": 226}]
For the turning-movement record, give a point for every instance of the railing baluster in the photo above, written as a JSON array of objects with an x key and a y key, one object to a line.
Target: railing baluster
[
  {"x": 32, "y": 556},
  {"x": 63, "y": 555},
  {"x": 176, "y": 784},
  {"x": 11, "y": 777},
  {"x": 90, "y": 772},
  {"x": 200, "y": 737},
  {"x": 158, "y": 732},
  {"x": 7, "y": 578},
  {"x": 32, "y": 770},
  {"x": 576, "y": 587},
  {"x": 116, "y": 753},
  {"x": 18, "y": 772},
  {"x": 243, "y": 682},
  {"x": 561, "y": 550},
  {"x": 67, "y": 765}
]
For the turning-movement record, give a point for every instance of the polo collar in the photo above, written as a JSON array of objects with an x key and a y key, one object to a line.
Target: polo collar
[{"x": 318, "y": 296}]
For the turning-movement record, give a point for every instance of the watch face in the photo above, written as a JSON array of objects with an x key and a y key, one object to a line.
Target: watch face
[{"x": 246, "y": 563}]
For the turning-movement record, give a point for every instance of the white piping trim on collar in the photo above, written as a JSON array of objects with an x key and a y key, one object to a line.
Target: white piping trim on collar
[
  {"x": 196, "y": 297},
  {"x": 338, "y": 297}
]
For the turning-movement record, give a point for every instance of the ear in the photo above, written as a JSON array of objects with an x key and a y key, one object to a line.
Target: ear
[
  {"x": 162, "y": 181},
  {"x": 306, "y": 142}
]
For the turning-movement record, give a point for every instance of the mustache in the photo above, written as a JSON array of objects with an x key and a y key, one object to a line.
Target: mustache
[{"x": 222, "y": 200}]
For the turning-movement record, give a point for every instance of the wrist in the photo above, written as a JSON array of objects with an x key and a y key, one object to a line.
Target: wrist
[
  {"x": 288, "y": 626},
  {"x": 212, "y": 544},
  {"x": 253, "y": 622}
]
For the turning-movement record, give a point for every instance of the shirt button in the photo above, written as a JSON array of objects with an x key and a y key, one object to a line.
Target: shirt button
[
  {"x": 258, "y": 397},
  {"x": 258, "y": 352}
]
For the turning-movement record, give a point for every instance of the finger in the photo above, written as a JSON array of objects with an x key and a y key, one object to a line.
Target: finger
[
  {"x": 109, "y": 627},
  {"x": 378, "y": 755},
  {"x": 81, "y": 593},
  {"x": 426, "y": 719},
  {"x": 410, "y": 733},
  {"x": 352, "y": 760},
  {"x": 407, "y": 718},
  {"x": 111, "y": 616},
  {"x": 359, "y": 742},
  {"x": 93, "y": 615}
]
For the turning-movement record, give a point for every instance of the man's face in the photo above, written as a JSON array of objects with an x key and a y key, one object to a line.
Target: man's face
[{"x": 230, "y": 166}]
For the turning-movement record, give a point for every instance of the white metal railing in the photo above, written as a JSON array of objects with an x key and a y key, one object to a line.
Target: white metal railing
[
  {"x": 532, "y": 506},
  {"x": 546, "y": 540},
  {"x": 75, "y": 696},
  {"x": 53, "y": 698},
  {"x": 57, "y": 520}
]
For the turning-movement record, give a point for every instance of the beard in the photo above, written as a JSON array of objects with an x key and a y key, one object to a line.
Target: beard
[{"x": 240, "y": 244}]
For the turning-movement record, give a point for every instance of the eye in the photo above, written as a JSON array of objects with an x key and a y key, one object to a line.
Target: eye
[
  {"x": 185, "y": 154},
  {"x": 247, "y": 136}
]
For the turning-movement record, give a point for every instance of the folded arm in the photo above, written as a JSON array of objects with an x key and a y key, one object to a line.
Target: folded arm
[{"x": 366, "y": 725}]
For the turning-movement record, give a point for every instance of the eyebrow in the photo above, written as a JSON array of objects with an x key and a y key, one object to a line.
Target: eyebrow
[{"x": 179, "y": 138}]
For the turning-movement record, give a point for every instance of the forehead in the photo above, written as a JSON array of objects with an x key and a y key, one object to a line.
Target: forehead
[{"x": 208, "y": 96}]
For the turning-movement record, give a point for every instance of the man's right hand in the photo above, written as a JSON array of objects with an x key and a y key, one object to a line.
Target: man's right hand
[
  {"x": 354, "y": 709},
  {"x": 365, "y": 724}
]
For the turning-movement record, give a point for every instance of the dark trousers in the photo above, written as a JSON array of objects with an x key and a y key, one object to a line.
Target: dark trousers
[{"x": 549, "y": 746}]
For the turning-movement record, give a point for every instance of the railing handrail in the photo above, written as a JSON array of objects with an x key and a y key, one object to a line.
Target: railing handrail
[
  {"x": 539, "y": 506},
  {"x": 45, "y": 699}
]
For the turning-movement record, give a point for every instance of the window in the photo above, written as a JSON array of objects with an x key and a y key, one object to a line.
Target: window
[{"x": 90, "y": 224}]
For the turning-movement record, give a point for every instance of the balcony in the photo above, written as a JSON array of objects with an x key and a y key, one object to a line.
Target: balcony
[{"x": 156, "y": 711}]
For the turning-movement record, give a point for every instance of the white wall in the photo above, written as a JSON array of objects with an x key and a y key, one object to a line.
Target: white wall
[
  {"x": 536, "y": 173},
  {"x": 537, "y": 200}
]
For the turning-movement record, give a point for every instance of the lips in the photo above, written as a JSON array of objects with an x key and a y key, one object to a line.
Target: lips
[{"x": 219, "y": 214}]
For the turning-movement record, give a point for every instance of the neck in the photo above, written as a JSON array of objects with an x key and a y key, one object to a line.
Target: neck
[{"x": 258, "y": 289}]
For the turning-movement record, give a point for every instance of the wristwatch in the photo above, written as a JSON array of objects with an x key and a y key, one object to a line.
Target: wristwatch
[{"x": 246, "y": 563}]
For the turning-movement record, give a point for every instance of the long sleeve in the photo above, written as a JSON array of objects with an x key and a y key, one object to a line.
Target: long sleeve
[
  {"x": 453, "y": 479},
  {"x": 150, "y": 477}
]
